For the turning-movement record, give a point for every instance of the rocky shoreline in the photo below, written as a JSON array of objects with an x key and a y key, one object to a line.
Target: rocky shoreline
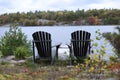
[{"x": 11, "y": 59}]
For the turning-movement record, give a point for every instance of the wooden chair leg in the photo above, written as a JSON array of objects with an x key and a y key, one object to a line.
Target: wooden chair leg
[{"x": 34, "y": 52}]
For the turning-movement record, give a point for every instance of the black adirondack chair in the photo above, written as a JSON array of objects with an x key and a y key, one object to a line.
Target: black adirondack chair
[
  {"x": 42, "y": 41},
  {"x": 80, "y": 44}
]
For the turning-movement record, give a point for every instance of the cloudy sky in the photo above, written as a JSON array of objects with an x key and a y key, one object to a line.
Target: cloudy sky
[{"x": 8, "y": 6}]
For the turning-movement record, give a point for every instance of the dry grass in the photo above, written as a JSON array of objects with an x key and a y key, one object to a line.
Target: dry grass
[{"x": 31, "y": 71}]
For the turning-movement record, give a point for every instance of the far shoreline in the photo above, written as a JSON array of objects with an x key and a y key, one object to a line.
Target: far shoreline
[{"x": 8, "y": 25}]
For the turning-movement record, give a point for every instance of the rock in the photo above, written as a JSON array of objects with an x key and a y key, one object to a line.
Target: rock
[
  {"x": 13, "y": 61},
  {"x": 3, "y": 60},
  {"x": 21, "y": 61},
  {"x": 10, "y": 57},
  {"x": 63, "y": 52},
  {"x": 70, "y": 66},
  {"x": 17, "y": 62}
]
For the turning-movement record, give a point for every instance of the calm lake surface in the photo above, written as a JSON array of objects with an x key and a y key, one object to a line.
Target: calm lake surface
[{"x": 61, "y": 34}]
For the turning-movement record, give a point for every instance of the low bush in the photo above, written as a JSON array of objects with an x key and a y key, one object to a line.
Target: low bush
[
  {"x": 1, "y": 54},
  {"x": 21, "y": 52},
  {"x": 13, "y": 39},
  {"x": 96, "y": 63},
  {"x": 114, "y": 39}
]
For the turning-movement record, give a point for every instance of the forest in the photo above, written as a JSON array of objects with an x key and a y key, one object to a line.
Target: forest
[{"x": 65, "y": 17}]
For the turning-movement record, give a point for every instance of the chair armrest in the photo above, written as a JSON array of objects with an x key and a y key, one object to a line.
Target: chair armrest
[
  {"x": 69, "y": 45},
  {"x": 57, "y": 45}
]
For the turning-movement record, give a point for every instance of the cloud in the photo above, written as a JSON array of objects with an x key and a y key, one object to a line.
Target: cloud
[
  {"x": 104, "y": 4},
  {"x": 8, "y": 6}
]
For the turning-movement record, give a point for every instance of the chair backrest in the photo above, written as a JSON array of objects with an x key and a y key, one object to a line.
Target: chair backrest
[
  {"x": 43, "y": 43},
  {"x": 80, "y": 43}
]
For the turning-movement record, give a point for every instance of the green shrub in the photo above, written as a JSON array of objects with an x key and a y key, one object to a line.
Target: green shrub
[
  {"x": 95, "y": 63},
  {"x": 114, "y": 39},
  {"x": 13, "y": 39},
  {"x": 1, "y": 54},
  {"x": 21, "y": 52}
]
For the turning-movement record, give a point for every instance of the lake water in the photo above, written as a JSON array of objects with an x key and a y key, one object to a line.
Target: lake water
[{"x": 62, "y": 34}]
